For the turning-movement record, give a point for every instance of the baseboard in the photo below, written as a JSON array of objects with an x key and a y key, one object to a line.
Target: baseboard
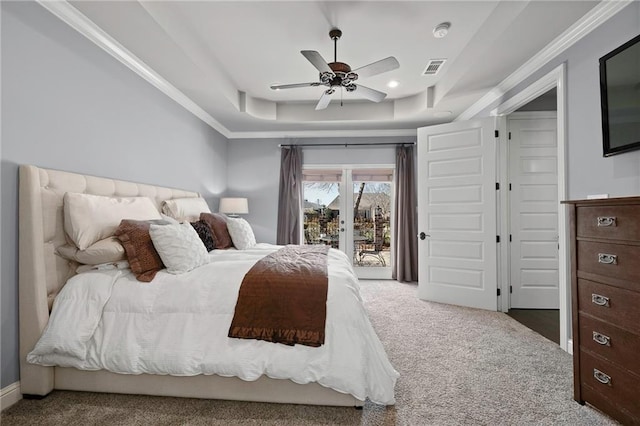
[
  {"x": 9, "y": 395},
  {"x": 570, "y": 346}
]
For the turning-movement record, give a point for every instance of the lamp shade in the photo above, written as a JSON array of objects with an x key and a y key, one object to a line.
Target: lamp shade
[{"x": 234, "y": 206}]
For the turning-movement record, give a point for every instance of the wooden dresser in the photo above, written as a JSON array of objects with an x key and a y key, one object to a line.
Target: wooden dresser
[{"x": 605, "y": 285}]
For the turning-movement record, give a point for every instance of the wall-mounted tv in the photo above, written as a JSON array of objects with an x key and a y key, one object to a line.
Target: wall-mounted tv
[{"x": 620, "y": 98}]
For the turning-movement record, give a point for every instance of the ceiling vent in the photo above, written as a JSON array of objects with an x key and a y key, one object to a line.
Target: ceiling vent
[{"x": 433, "y": 66}]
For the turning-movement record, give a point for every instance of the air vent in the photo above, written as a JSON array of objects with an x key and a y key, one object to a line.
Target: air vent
[{"x": 433, "y": 66}]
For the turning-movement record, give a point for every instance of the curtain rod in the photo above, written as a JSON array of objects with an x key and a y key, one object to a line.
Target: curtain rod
[{"x": 280, "y": 145}]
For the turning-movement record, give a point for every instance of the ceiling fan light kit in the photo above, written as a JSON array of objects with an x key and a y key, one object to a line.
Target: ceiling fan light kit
[{"x": 340, "y": 75}]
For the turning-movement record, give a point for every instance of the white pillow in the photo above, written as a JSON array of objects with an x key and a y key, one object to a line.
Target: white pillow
[
  {"x": 241, "y": 233},
  {"x": 179, "y": 247},
  {"x": 90, "y": 218},
  {"x": 185, "y": 208},
  {"x": 108, "y": 250}
]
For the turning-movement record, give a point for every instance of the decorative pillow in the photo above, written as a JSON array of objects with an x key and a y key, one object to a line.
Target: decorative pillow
[
  {"x": 185, "y": 208},
  {"x": 218, "y": 225},
  {"x": 90, "y": 218},
  {"x": 241, "y": 233},
  {"x": 108, "y": 250},
  {"x": 179, "y": 247},
  {"x": 143, "y": 258},
  {"x": 205, "y": 234}
]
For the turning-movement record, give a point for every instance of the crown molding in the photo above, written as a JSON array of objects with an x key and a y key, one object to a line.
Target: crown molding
[
  {"x": 589, "y": 22},
  {"x": 79, "y": 22},
  {"x": 323, "y": 134}
]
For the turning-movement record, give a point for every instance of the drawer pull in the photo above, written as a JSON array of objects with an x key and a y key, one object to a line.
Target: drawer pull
[
  {"x": 600, "y": 300},
  {"x": 601, "y": 339},
  {"x": 606, "y": 221},
  {"x": 607, "y": 259},
  {"x": 601, "y": 377}
]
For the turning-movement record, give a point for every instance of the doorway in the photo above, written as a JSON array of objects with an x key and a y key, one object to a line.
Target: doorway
[
  {"x": 350, "y": 208},
  {"x": 542, "y": 251},
  {"x": 463, "y": 175}
]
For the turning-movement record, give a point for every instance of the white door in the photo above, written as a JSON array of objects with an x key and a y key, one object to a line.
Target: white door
[
  {"x": 457, "y": 214},
  {"x": 533, "y": 176}
]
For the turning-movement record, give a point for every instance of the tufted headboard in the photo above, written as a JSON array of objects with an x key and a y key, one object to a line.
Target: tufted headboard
[{"x": 42, "y": 273}]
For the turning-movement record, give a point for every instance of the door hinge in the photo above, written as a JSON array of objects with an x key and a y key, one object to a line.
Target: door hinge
[
  {"x": 496, "y": 133},
  {"x": 509, "y": 237},
  {"x": 509, "y": 187},
  {"x": 510, "y": 289},
  {"x": 497, "y": 186},
  {"x": 498, "y": 292},
  {"x": 497, "y": 238},
  {"x": 509, "y": 135}
]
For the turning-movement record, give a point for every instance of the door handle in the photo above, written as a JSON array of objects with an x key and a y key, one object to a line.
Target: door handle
[{"x": 422, "y": 235}]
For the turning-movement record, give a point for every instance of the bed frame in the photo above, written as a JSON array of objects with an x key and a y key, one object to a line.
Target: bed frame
[{"x": 42, "y": 274}]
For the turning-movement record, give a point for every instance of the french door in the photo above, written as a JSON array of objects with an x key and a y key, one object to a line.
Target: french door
[{"x": 350, "y": 208}]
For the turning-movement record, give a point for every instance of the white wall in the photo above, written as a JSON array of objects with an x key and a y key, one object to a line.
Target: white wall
[
  {"x": 68, "y": 105},
  {"x": 254, "y": 171},
  {"x": 588, "y": 171}
]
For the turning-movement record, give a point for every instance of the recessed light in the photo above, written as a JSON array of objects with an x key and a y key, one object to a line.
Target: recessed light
[
  {"x": 393, "y": 83},
  {"x": 441, "y": 30}
]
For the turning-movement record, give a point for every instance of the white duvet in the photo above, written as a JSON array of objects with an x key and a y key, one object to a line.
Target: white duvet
[{"x": 178, "y": 325}]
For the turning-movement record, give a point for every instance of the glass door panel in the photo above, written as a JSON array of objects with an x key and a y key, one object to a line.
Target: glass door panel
[
  {"x": 321, "y": 194},
  {"x": 372, "y": 209}
]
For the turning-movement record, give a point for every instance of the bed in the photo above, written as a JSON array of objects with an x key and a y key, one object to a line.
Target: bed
[{"x": 43, "y": 274}]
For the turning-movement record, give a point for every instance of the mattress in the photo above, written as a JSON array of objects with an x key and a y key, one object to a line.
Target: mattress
[{"x": 178, "y": 325}]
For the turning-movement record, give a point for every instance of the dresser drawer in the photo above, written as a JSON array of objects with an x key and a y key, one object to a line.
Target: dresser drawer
[
  {"x": 606, "y": 406},
  {"x": 615, "y": 305},
  {"x": 612, "y": 382},
  {"x": 610, "y": 222},
  {"x": 615, "y": 344},
  {"x": 610, "y": 260}
]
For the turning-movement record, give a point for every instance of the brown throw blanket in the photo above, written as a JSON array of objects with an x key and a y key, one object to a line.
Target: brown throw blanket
[{"x": 283, "y": 298}]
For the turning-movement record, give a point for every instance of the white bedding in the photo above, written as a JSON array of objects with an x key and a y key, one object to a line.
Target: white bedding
[{"x": 178, "y": 325}]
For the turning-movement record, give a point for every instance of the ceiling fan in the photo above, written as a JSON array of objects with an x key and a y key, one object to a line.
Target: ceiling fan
[{"x": 336, "y": 74}]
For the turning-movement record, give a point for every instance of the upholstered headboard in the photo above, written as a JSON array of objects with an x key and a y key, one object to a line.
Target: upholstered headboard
[{"x": 42, "y": 273}]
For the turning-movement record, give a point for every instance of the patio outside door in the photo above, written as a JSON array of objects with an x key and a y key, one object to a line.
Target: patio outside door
[{"x": 350, "y": 209}]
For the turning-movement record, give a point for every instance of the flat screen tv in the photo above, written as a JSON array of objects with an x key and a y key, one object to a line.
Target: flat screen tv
[{"x": 620, "y": 98}]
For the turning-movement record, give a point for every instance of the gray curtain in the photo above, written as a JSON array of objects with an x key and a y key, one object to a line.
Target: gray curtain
[
  {"x": 405, "y": 256},
  {"x": 290, "y": 198}
]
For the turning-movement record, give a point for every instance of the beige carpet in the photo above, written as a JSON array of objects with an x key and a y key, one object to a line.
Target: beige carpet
[{"x": 458, "y": 366}]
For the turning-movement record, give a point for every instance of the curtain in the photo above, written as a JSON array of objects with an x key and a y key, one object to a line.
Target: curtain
[
  {"x": 290, "y": 198},
  {"x": 405, "y": 256}
]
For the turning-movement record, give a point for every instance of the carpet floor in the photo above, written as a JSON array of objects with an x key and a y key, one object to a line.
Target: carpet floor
[{"x": 458, "y": 366}]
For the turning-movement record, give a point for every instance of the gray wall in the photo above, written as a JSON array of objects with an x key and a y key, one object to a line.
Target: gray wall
[
  {"x": 254, "y": 171},
  {"x": 68, "y": 105},
  {"x": 588, "y": 171}
]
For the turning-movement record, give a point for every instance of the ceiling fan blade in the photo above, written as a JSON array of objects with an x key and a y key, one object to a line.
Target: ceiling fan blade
[
  {"x": 295, "y": 85},
  {"x": 324, "y": 100},
  {"x": 378, "y": 67},
  {"x": 369, "y": 93},
  {"x": 317, "y": 60}
]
